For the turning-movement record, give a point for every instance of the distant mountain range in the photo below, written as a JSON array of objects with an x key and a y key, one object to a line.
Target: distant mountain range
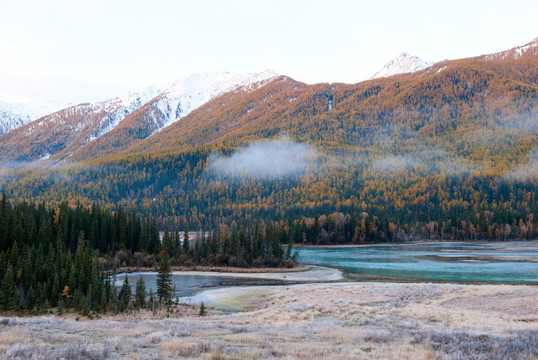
[
  {"x": 451, "y": 150},
  {"x": 220, "y": 106},
  {"x": 14, "y": 115},
  {"x": 463, "y": 106},
  {"x": 138, "y": 114},
  {"x": 187, "y": 93}
]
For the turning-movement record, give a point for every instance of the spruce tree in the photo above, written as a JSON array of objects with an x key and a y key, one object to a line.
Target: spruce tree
[
  {"x": 30, "y": 299},
  {"x": 140, "y": 293},
  {"x": 60, "y": 307},
  {"x": 152, "y": 304},
  {"x": 186, "y": 244},
  {"x": 176, "y": 245},
  {"x": 167, "y": 237},
  {"x": 125, "y": 295},
  {"x": 164, "y": 276},
  {"x": 7, "y": 299},
  {"x": 289, "y": 250}
]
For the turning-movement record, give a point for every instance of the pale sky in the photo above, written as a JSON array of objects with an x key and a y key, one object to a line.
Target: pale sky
[{"x": 75, "y": 51}]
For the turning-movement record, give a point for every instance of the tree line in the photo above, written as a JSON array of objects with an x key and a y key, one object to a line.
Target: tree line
[
  {"x": 63, "y": 257},
  {"x": 421, "y": 200}
]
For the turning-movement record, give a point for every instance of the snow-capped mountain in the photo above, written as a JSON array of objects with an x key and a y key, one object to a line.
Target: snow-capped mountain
[
  {"x": 402, "y": 64},
  {"x": 14, "y": 115},
  {"x": 113, "y": 123},
  {"x": 171, "y": 102},
  {"x": 179, "y": 98}
]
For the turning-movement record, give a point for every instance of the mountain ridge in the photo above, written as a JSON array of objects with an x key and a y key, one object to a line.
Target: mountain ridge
[
  {"x": 59, "y": 135},
  {"x": 147, "y": 119}
]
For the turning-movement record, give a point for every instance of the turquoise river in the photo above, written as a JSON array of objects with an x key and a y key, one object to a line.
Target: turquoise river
[{"x": 461, "y": 262}]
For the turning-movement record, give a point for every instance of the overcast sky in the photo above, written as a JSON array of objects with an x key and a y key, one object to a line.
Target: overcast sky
[{"x": 74, "y": 50}]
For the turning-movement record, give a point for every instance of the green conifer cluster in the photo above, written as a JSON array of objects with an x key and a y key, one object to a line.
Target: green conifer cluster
[{"x": 64, "y": 257}]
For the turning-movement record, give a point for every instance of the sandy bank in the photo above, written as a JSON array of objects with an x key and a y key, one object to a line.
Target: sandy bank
[{"x": 306, "y": 274}]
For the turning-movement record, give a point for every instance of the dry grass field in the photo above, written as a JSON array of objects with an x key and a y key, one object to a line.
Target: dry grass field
[{"x": 310, "y": 321}]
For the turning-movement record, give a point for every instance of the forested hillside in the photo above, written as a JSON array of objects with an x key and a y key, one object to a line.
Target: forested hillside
[{"x": 449, "y": 152}]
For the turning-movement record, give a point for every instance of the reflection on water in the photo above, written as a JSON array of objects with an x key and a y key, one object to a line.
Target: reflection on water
[{"x": 515, "y": 262}]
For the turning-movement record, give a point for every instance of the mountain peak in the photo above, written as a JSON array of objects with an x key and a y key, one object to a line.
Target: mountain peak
[{"x": 401, "y": 64}]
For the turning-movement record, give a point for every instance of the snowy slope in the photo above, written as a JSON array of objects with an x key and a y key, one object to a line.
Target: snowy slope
[
  {"x": 14, "y": 115},
  {"x": 61, "y": 134},
  {"x": 176, "y": 99},
  {"x": 402, "y": 64},
  {"x": 180, "y": 97},
  {"x": 117, "y": 109},
  {"x": 171, "y": 102}
]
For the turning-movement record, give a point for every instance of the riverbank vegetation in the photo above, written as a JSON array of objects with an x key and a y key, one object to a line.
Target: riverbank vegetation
[{"x": 62, "y": 257}]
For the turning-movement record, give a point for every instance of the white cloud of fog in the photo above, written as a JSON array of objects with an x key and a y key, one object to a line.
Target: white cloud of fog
[
  {"x": 273, "y": 159},
  {"x": 424, "y": 158},
  {"x": 528, "y": 171},
  {"x": 394, "y": 163}
]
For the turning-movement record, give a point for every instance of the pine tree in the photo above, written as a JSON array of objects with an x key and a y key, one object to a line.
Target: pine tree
[
  {"x": 3, "y": 219},
  {"x": 7, "y": 299},
  {"x": 166, "y": 238},
  {"x": 186, "y": 244},
  {"x": 60, "y": 307},
  {"x": 18, "y": 299},
  {"x": 176, "y": 245},
  {"x": 125, "y": 295},
  {"x": 151, "y": 303},
  {"x": 289, "y": 250},
  {"x": 164, "y": 276},
  {"x": 140, "y": 293}
]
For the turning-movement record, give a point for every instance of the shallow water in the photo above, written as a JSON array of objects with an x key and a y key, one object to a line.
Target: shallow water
[
  {"x": 513, "y": 262},
  {"x": 189, "y": 285},
  {"x": 507, "y": 262}
]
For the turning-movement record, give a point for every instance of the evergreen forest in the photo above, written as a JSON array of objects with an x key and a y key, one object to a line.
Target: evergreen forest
[{"x": 66, "y": 257}]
